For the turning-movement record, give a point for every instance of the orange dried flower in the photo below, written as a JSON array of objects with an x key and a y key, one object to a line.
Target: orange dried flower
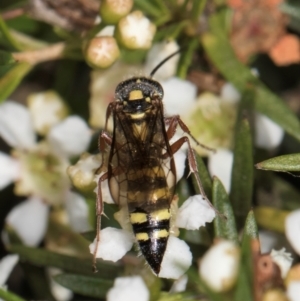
[{"x": 286, "y": 51}]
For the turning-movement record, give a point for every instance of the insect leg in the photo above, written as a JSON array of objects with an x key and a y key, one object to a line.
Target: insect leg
[
  {"x": 173, "y": 122},
  {"x": 99, "y": 211}
]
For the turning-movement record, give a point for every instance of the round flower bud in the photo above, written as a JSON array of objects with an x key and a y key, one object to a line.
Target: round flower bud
[
  {"x": 219, "y": 266},
  {"x": 101, "y": 52},
  {"x": 135, "y": 31},
  {"x": 111, "y": 11}
]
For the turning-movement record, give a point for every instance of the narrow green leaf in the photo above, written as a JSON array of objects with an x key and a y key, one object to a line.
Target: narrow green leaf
[
  {"x": 242, "y": 172},
  {"x": 225, "y": 228},
  {"x": 243, "y": 290},
  {"x": 12, "y": 78},
  {"x": 84, "y": 285},
  {"x": 148, "y": 7},
  {"x": 250, "y": 228},
  {"x": 271, "y": 218},
  {"x": 6, "y": 36},
  {"x": 8, "y": 296},
  {"x": 218, "y": 48},
  {"x": 281, "y": 163},
  {"x": 6, "y": 58},
  {"x": 46, "y": 258}
]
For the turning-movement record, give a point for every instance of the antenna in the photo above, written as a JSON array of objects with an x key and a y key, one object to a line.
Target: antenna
[{"x": 163, "y": 61}]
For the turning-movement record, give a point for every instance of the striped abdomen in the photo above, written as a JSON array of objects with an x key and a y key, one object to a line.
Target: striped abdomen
[{"x": 149, "y": 208}]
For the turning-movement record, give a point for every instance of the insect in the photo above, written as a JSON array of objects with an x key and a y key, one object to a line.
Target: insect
[{"x": 141, "y": 171}]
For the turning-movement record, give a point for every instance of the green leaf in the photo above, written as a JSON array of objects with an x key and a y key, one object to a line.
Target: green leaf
[
  {"x": 225, "y": 228},
  {"x": 7, "y": 62},
  {"x": 271, "y": 218},
  {"x": 12, "y": 78},
  {"x": 6, "y": 36},
  {"x": 84, "y": 285},
  {"x": 46, "y": 258},
  {"x": 8, "y": 296},
  {"x": 242, "y": 172},
  {"x": 219, "y": 50},
  {"x": 281, "y": 163},
  {"x": 250, "y": 228}
]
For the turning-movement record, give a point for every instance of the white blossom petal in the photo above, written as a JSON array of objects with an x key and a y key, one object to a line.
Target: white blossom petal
[
  {"x": 292, "y": 230},
  {"x": 157, "y": 54},
  {"x": 179, "y": 96},
  {"x": 268, "y": 240},
  {"x": 283, "y": 260},
  {"x": 268, "y": 134},
  {"x": 71, "y": 137},
  {"x": 106, "y": 195},
  {"x": 16, "y": 126},
  {"x": 179, "y": 158},
  {"x": 179, "y": 285},
  {"x": 47, "y": 109},
  {"x": 107, "y": 31},
  {"x": 293, "y": 291},
  {"x": 128, "y": 289},
  {"x": 78, "y": 212},
  {"x": 230, "y": 94},
  {"x": 114, "y": 244},
  {"x": 9, "y": 171},
  {"x": 177, "y": 259},
  {"x": 29, "y": 219},
  {"x": 220, "y": 165},
  {"x": 194, "y": 213},
  {"x": 7, "y": 264},
  {"x": 59, "y": 292},
  {"x": 220, "y": 265}
]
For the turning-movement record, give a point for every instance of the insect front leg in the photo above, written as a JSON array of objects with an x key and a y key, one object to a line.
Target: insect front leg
[{"x": 104, "y": 139}]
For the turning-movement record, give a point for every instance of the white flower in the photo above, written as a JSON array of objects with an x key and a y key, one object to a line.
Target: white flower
[
  {"x": 29, "y": 219},
  {"x": 179, "y": 285},
  {"x": 292, "y": 229},
  {"x": 7, "y": 264},
  {"x": 179, "y": 96},
  {"x": 220, "y": 165},
  {"x": 194, "y": 213},
  {"x": 230, "y": 94},
  {"x": 135, "y": 31},
  {"x": 177, "y": 259},
  {"x": 47, "y": 109},
  {"x": 157, "y": 54},
  {"x": 38, "y": 168},
  {"x": 128, "y": 289},
  {"x": 268, "y": 134},
  {"x": 219, "y": 266},
  {"x": 114, "y": 244},
  {"x": 283, "y": 260},
  {"x": 293, "y": 291}
]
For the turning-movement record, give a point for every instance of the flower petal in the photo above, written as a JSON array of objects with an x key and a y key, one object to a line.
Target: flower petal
[
  {"x": 29, "y": 219},
  {"x": 16, "y": 126},
  {"x": 177, "y": 259},
  {"x": 47, "y": 109},
  {"x": 58, "y": 291},
  {"x": 283, "y": 260},
  {"x": 293, "y": 291},
  {"x": 194, "y": 213},
  {"x": 230, "y": 94},
  {"x": 7, "y": 264},
  {"x": 268, "y": 134},
  {"x": 157, "y": 54},
  {"x": 78, "y": 212},
  {"x": 220, "y": 165},
  {"x": 106, "y": 195},
  {"x": 180, "y": 95},
  {"x": 128, "y": 289},
  {"x": 292, "y": 230},
  {"x": 114, "y": 244},
  {"x": 70, "y": 137},
  {"x": 9, "y": 171},
  {"x": 219, "y": 266},
  {"x": 179, "y": 285}
]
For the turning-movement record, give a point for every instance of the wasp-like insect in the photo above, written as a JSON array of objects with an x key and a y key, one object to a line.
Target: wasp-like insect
[{"x": 141, "y": 171}]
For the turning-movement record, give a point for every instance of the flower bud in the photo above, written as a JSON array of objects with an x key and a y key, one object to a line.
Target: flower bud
[
  {"x": 111, "y": 11},
  {"x": 219, "y": 266},
  {"x": 101, "y": 52},
  {"x": 135, "y": 31}
]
